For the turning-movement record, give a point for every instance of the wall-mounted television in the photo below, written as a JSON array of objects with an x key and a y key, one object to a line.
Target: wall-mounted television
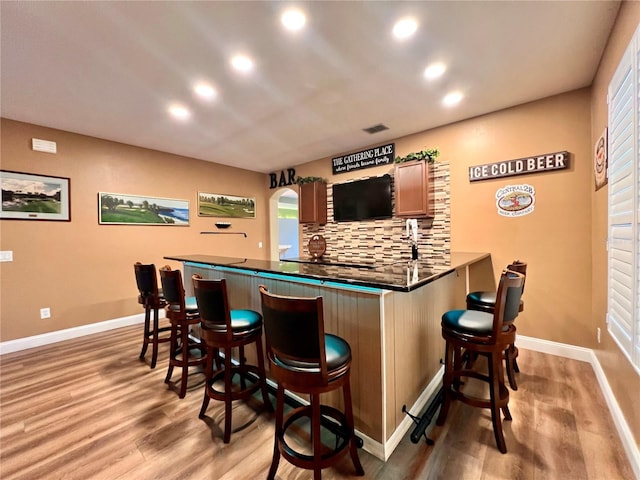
[{"x": 362, "y": 199}]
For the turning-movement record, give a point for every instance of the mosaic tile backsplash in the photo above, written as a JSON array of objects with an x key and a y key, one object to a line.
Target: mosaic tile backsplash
[{"x": 385, "y": 241}]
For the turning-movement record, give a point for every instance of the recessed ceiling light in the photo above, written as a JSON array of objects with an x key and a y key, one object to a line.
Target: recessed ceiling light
[
  {"x": 293, "y": 20},
  {"x": 204, "y": 90},
  {"x": 404, "y": 28},
  {"x": 452, "y": 99},
  {"x": 178, "y": 111},
  {"x": 434, "y": 70},
  {"x": 242, "y": 63}
]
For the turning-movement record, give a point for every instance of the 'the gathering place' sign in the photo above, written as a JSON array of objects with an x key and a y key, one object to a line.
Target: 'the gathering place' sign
[
  {"x": 372, "y": 157},
  {"x": 520, "y": 166}
]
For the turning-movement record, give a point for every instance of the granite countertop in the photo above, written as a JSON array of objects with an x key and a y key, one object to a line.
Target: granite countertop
[{"x": 402, "y": 275}]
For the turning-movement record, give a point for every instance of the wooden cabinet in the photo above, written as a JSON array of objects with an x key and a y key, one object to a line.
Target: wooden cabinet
[
  {"x": 414, "y": 189},
  {"x": 312, "y": 203}
]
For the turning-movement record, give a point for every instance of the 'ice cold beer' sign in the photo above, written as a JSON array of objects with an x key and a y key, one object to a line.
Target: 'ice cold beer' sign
[
  {"x": 372, "y": 157},
  {"x": 520, "y": 166}
]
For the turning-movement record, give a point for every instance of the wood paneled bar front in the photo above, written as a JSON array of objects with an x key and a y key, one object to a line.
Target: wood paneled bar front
[{"x": 390, "y": 315}]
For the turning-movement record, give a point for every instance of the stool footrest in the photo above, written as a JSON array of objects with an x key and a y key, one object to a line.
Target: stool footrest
[
  {"x": 423, "y": 421},
  {"x": 328, "y": 414},
  {"x": 481, "y": 402},
  {"x": 243, "y": 371}
]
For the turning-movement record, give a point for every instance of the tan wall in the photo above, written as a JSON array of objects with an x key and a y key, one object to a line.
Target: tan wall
[
  {"x": 555, "y": 237},
  {"x": 82, "y": 270},
  {"x": 624, "y": 381}
]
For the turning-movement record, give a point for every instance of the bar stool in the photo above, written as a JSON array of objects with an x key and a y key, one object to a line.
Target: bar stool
[
  {"x": 305, "y": 360},
  {"x": 151, "y": 299},
  {"x": 485, "y": 302},
  {"x": 483, "y": 334},
  {"x": 223, "y": 329},
  {"x": 185, "y": 350}
]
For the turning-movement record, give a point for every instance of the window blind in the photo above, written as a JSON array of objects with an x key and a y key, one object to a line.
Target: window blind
[{"x": 623, "y": 315}]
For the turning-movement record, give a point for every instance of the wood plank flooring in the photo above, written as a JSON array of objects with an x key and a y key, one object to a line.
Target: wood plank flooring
[{"x": 89, "y": 409}]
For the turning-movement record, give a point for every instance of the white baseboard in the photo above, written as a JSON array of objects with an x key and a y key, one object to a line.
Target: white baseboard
[
  {"x": 554, "y": 348},
  {"x": 69, "y": 333},
  {"x": 588, "y": 355},
  {"x": 630, "y": 446}
]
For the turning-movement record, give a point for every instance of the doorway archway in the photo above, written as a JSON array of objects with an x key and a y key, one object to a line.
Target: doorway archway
[{"x": 284, "y": 226}]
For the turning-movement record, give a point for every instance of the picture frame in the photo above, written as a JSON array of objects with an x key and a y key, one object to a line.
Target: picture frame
[
  {"x": 126, "y": 209},
  {"x": 28, "y": 196},
  {"x": 222, "y": 205},
  {"x": 600, "y": 160}
]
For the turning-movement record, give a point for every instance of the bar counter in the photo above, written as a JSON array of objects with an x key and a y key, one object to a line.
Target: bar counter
[
  {"x": 403, "y": 276},
  {"x": 389, "y": 313}
]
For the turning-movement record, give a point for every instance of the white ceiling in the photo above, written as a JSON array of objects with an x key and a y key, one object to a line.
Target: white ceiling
[{"x": 110, "y": 69}]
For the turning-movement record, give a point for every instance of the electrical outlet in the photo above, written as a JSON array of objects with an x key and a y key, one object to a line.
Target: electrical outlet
[
  {"x": 6, "y": 256},
  {"x": 598, "y": 334},
  {"x": 259, "y": 244},
  {"x": 45, "y": 313}
]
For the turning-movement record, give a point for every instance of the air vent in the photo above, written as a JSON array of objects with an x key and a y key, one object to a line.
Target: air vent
[
  {"x": 47, "y": 146},
  {"x": 376, "y": 128}
]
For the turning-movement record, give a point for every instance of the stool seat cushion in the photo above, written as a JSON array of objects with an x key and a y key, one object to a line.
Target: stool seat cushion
[
  {"x": 338, "y": 353},
  {"x": 482, "y": 298},
  {"x": 190, "y": 305},
  {"x": 242, "y": 321},
  {"x": 485, "y": 299},
  {"x": 471, "y": 322},
  {"x": 245, "y": 319}
]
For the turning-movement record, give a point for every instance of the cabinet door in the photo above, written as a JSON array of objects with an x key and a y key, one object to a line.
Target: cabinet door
[
  {"x": 313, "y": 203},
  {"x": 414, "y": 189}
]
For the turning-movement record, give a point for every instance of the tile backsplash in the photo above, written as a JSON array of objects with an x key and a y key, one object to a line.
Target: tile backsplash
[{"x": 385, "y": 240}]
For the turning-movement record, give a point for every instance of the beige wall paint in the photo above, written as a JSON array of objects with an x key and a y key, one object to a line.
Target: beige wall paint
[
  {"x": 82, "y": 270},
  {"x": 555, "y": 239},
  {"x": 624, "y": 381}
]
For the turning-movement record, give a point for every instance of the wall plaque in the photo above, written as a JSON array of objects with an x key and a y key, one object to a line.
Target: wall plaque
[
  {"x": 520, "y": 166},
  {"x": 371, "y": 157},
  {"x": 515, "y": 200}
]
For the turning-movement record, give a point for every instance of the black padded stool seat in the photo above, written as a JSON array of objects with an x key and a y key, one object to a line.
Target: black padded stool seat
[
  {"x": 485, "y": 301},
  {"x": 305, "y": 360},
  {"x": 190, "y": 306},
  {"x": 223, "y": 329},
  {"x": 338, "y": 354},
  {"x": 468, "y": 321},
  {"x": 150, "y": 297},
  {"x": 186, "y": 350},
  {"x": 481, "y": 333},
  {"x": 240, "y": 320}
]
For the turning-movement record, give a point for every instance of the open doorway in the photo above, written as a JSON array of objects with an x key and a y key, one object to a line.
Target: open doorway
[{"x": 284, "y": 224}]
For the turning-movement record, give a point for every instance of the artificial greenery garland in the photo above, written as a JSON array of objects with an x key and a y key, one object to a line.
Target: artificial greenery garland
[
  {"x": 301, "y": 180},
  {"x": 429, "y": 155}
]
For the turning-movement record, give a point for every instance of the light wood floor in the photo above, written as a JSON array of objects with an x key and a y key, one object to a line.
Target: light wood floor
[{"x": 89, "y": 409}]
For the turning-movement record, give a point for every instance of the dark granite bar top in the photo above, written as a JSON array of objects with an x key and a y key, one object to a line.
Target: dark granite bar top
[{"x": 403, "y": 275}]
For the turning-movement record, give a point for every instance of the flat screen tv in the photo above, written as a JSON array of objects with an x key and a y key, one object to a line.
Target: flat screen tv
[{"x": 363, "y": 199}]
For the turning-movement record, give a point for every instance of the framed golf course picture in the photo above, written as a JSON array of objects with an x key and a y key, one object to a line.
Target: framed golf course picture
[
  {"x": 220, "y": 205},
  {"x": 26, "y": 196},
  {"x": 125, "y": 209}
]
